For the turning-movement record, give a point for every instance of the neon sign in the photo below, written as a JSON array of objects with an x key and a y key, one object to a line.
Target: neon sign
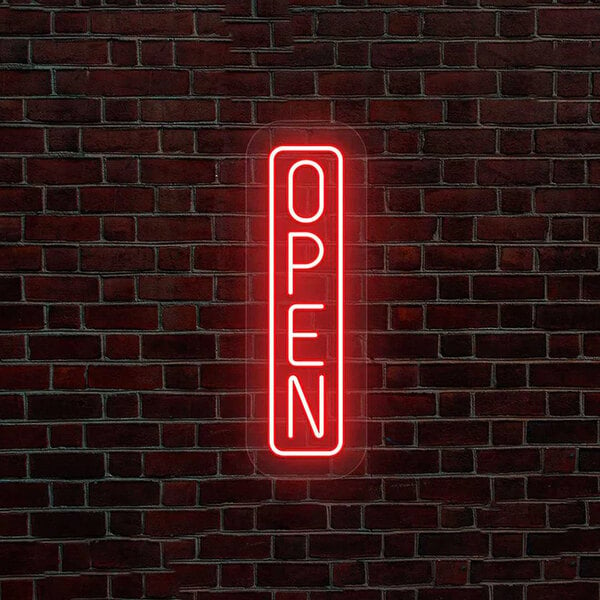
[
  {"x": 306, "y": 256},
  {"x": 286, "y": 223}
]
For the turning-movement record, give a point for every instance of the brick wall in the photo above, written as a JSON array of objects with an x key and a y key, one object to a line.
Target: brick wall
[{"x": 122, "y": 463}]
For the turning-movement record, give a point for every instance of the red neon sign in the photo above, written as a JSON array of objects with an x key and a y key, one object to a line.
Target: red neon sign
[{"x": 306, "y": 301}]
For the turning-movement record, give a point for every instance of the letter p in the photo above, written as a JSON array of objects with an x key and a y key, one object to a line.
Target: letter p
[{"x": 292, "y": 265}]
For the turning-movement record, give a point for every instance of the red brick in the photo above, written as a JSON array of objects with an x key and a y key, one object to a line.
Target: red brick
[
  {"x": 206, "y": 54},
  {"x": 24, "y": 494},
  {"x": 21, "y": 139},
  {"x": 568, "y": 258},
  {"x": 448, "y": 544},
  {"x": 516, "y": 287},
  {"x": 405, "y": 111},
  {"x": 402, "y": 54},
  {"x": 120, "y": 140},
  {"x": 403, "y": 258},
  {"x": 361, "y": 489},
  {"x": 61, "y": 110},
  {"x": 62, "y": 228},
  {"x": 513, "y": 172},
  {"x": 230, "y": 490},
  {"x": 515, "y": 112},
  {"x": 397, "y": 462},
  {"x": 404, "y": 171},
  {"x": 103, "y": 259},
  {"x": 124, "y": 493},
  {"x": 268, "y": 111},
  {"x": 459, "y": 24},
  {"x": 401, "y": 288},
  {"x": 156, "y": 287},
  {"x": 178, "y": 346},
  {"x": 562, "y": 591},
  {"x": 102, "y": 436},
  {"x": 140, "y": 22},
  {"x": 70, "y": 52},
  {"x": 227, "y": 83},
  {"x": 25, "y": 82},
  {"x": 292, "y": 574},
  {"x": 460, "y": 258},
  {"x": 545, "y": 543},
  {"x": 180, "y": 522},
  {"x": 11, "y": 170},
  {"x": 460, "y": 200},
  {"x": 390, "y": 573},
  {"x": 565, "y": 22},
  {"x": 82, "y": 347},
  {"x": 517, "y": 24},
  {"x": 21, "y": 558},
  {"x": 108, "y": 554},
  {"x": 445, "y": 141},
  {"x": 455, "y": 375},
  {"x": 19, "y": 316},
  {"x": 353, "y": 84},
  {"x": 566, "y": 316},
  {"x": 564, "y": 375},
  {"x": 144, "y": 377},
  {"x": 63, "y": 170},
  {"x": 401, "y": 229},
  {"x": 14, "y": 21},
  {"x": 122, "y": 82},
  {"x": 24, "y": 377},
  {"x": 401, "y": 516},
  {"x": 291, "y": 517},
  {"x": 183, "y": 110},
  {"x": 519, "y": 570},
  {"x": 236, "y": 547},
  {"x": 464, "y": 83},
  {"x": 177, "y": 170},
  {"x": 24, "y": 436},
  {"x": 514, "y": 54},
  {"x": 13, "y": 51},
  {"x": 351, "y": 23},
  {"x": 569, "y": 431},
  {"x": 20, "y": 258},
  {"x": 10, "y": 290},
  {"x": 111, "y": 199},
  {"x": 454, "y": 433},
  {"x": 517, "y": 345},
  {"x": 190, "y": 228},
  {"x": 221, "y": 257},
  {"x": 526, "y": 83},
  {"x": 398, "y": 345},
  {"x": 68, "y": 524},
  {"x": 165, "y": 464},
  {"x": 121, "y": 317},
  {"x": 403, "y": 24},
  {"x": 67, "y": 465},
  {"x": 511, "y": 461},
  {"x": 564, "y": 141},
  {"x": 62, "y": 288}
]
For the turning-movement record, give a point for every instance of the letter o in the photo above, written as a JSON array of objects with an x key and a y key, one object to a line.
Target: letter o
[{"x": 321, "y": 176}]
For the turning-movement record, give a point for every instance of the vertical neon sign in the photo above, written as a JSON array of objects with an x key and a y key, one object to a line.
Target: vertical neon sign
[
  {"x": 306, "y": 382},
  {"x": 305, "y": 299}
]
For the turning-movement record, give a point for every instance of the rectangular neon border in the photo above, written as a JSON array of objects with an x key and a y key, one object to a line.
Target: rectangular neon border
[{"x": 340, "y": 301}]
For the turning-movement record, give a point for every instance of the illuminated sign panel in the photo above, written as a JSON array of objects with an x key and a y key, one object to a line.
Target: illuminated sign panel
[
  {"x": 305, "y": 300},
  {"x": 306, "y": 416}
]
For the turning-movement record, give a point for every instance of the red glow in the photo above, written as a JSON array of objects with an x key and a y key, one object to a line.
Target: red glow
[{"x": 294, "y": 432}]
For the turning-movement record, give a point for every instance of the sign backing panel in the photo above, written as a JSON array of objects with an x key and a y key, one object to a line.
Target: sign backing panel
[{"x": 306, "y": 267}]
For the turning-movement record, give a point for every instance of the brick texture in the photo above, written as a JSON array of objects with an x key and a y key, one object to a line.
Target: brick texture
[{"x": 123, "y": 130}]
